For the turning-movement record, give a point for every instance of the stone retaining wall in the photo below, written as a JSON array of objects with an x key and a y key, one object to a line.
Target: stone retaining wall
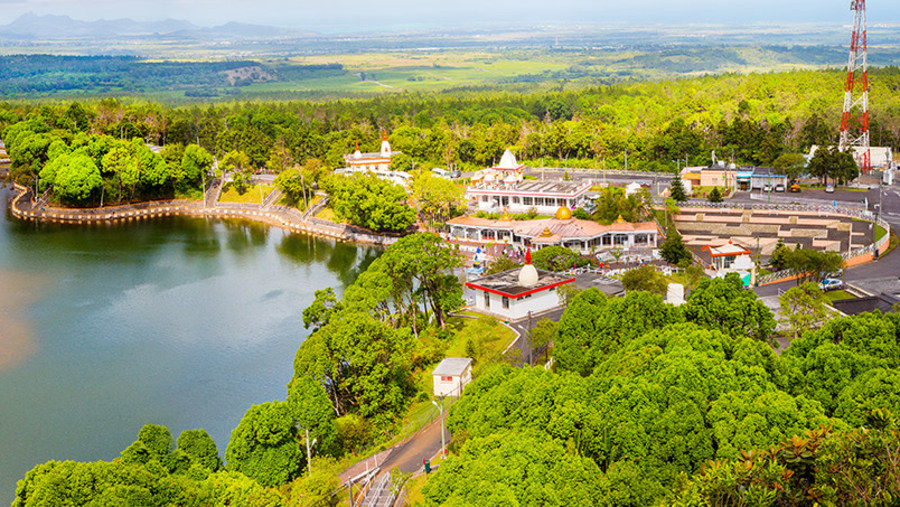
[{"x": 22, "y": 207}]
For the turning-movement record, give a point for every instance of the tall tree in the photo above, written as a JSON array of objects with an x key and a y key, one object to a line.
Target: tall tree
[
  {"x": 676, "y": 190},
  {"x": 238, "y": 164},
  {"x": 724, "y": 304},
  {"x": 424, "y": 263},
  {"x": 804, "y": 308},
  {"x": 363, "y": 364},
  {"x": 371, "y": 202},
  {"x": 263, "y": 446},
  {"x": 437, "y": 199},
  {"x": 195, "y": 166},
  {"x": 812, "y": 265}
]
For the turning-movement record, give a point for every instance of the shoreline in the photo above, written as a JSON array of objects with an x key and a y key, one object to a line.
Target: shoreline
[{"x": 289, "y": 219}]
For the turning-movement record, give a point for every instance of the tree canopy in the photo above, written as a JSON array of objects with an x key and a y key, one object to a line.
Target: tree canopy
[
  {"x": 371, "y": 202},
  {"x": 724, "y": 304}
]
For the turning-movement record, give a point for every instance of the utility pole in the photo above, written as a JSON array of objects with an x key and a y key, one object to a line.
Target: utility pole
[{"x": 443, "y": 440}]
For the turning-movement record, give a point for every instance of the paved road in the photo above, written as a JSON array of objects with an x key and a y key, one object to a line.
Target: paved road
[
  {"x": 425, "y": 444},
  {"x": 878, "y": 276}
]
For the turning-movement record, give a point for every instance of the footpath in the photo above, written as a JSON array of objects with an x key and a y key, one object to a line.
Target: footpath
[{"x": 24, "y": 206}]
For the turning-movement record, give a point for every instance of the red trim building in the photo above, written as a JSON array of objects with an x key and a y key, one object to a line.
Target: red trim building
[{"x": 508, "y": 296}]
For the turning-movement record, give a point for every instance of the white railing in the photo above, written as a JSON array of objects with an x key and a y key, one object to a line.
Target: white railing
[{"x": 813, "y": 206}]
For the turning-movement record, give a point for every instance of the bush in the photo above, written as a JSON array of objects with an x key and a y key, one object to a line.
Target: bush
[
  {"x": 557, "y": 258},
  {"x": 645, "y": 278}
]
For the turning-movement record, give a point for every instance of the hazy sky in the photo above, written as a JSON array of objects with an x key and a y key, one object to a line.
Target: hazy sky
[{"x": 354, "y": 15}]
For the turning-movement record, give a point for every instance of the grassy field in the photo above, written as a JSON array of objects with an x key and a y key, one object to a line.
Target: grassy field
[
  {"x": 329, "y": 75},
  {"x": 368, "y": 73},
  {"x": 838, "y": 295},
  {"x": 252, "y": 195}
]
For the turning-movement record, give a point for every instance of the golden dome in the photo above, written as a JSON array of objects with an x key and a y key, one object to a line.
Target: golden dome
[
  {"x": 546, "y": 233},
  {"x": 563, "y": 213},
  {"x": 506, "y": 217},
  {"x": 620, "y": 220}
]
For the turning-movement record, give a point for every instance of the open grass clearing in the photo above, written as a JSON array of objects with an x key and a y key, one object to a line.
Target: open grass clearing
[
  {"x": 254, "y": 194},
  {"x": 838, "y": 295}
]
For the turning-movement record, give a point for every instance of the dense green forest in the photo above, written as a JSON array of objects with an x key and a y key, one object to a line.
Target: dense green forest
[
  {"x": 654, "y": 404},
  {"x": 753, "y": 118},
  {"x": 50, "y": 75}
]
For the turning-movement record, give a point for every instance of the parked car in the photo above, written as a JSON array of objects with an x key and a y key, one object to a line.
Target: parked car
[
  {"x": 779, "y": 188},
  {"x": 795, "y": 188},
  {"x": 830, "y": 284},
  {"x": 456, "y": 173},
  {"x": 767, "y": 188},
  {"x": 829, "y": 188}
]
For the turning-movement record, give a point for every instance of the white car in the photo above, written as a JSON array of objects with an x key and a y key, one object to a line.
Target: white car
[
  {"x": 830, "y": 284},
  {"x": 829, "y": 188}
]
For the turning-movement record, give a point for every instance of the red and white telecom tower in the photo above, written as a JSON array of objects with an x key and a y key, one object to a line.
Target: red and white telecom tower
[{"x": 855, "y": 120}]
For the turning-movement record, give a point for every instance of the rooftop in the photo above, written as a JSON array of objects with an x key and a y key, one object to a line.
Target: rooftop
[
  {"x": 452, "y": 366},
  {"x": 534, "y": 187},
  {"x": 507, "y": 283},
  {"x": 766, "y": 171},
  {"x": 359, "y": 156},
  {"x": 727, "y": 250},
  {"x": 883, "y": 302},
  {"x": 572, "y": 228}
]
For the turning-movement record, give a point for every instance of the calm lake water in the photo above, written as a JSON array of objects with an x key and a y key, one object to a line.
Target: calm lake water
[{"x": 182, "y": 322}]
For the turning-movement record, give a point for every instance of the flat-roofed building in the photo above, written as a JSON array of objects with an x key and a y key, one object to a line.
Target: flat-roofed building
[
  {"x": 520, "y": 196},
  {"x": 517, "y": 293},
  {"x": 766, "y": 177}
]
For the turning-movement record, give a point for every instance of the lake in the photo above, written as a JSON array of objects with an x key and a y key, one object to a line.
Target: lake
[{"x": 178, "y": 321}]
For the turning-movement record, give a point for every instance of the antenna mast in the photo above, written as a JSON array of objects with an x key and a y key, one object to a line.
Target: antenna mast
[{"x": 855, "y": 129}]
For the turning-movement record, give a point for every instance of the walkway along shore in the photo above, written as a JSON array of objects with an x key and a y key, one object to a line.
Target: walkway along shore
[{"x": 23, "y": 206}]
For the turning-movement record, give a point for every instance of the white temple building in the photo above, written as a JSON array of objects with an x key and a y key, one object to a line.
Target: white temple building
[
  {"x": 517, "y": 293},
  {"x": 379, "y": 161}
]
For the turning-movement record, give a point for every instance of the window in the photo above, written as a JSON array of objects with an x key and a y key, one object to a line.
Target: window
[
  {"x": 487, "y": 300},
  {"x": 527, "y": 201},
  {"x": 446, "y": 379},
  {"x": 505, "y": 303}
]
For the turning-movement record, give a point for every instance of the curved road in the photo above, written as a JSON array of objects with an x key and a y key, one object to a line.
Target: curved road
[{"x": 878, "y": 276}]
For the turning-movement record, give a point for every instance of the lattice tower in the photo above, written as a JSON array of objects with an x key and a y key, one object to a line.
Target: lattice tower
[{"x": 855, "y": 119}]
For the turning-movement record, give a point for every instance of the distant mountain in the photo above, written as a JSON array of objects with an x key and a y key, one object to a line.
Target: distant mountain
[
  {"x": 49, "y": 27},
  {"x": 246, "y": 31}
]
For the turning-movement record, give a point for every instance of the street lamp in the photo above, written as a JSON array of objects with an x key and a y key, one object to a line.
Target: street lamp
[{"x": 443, "y": 441}]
